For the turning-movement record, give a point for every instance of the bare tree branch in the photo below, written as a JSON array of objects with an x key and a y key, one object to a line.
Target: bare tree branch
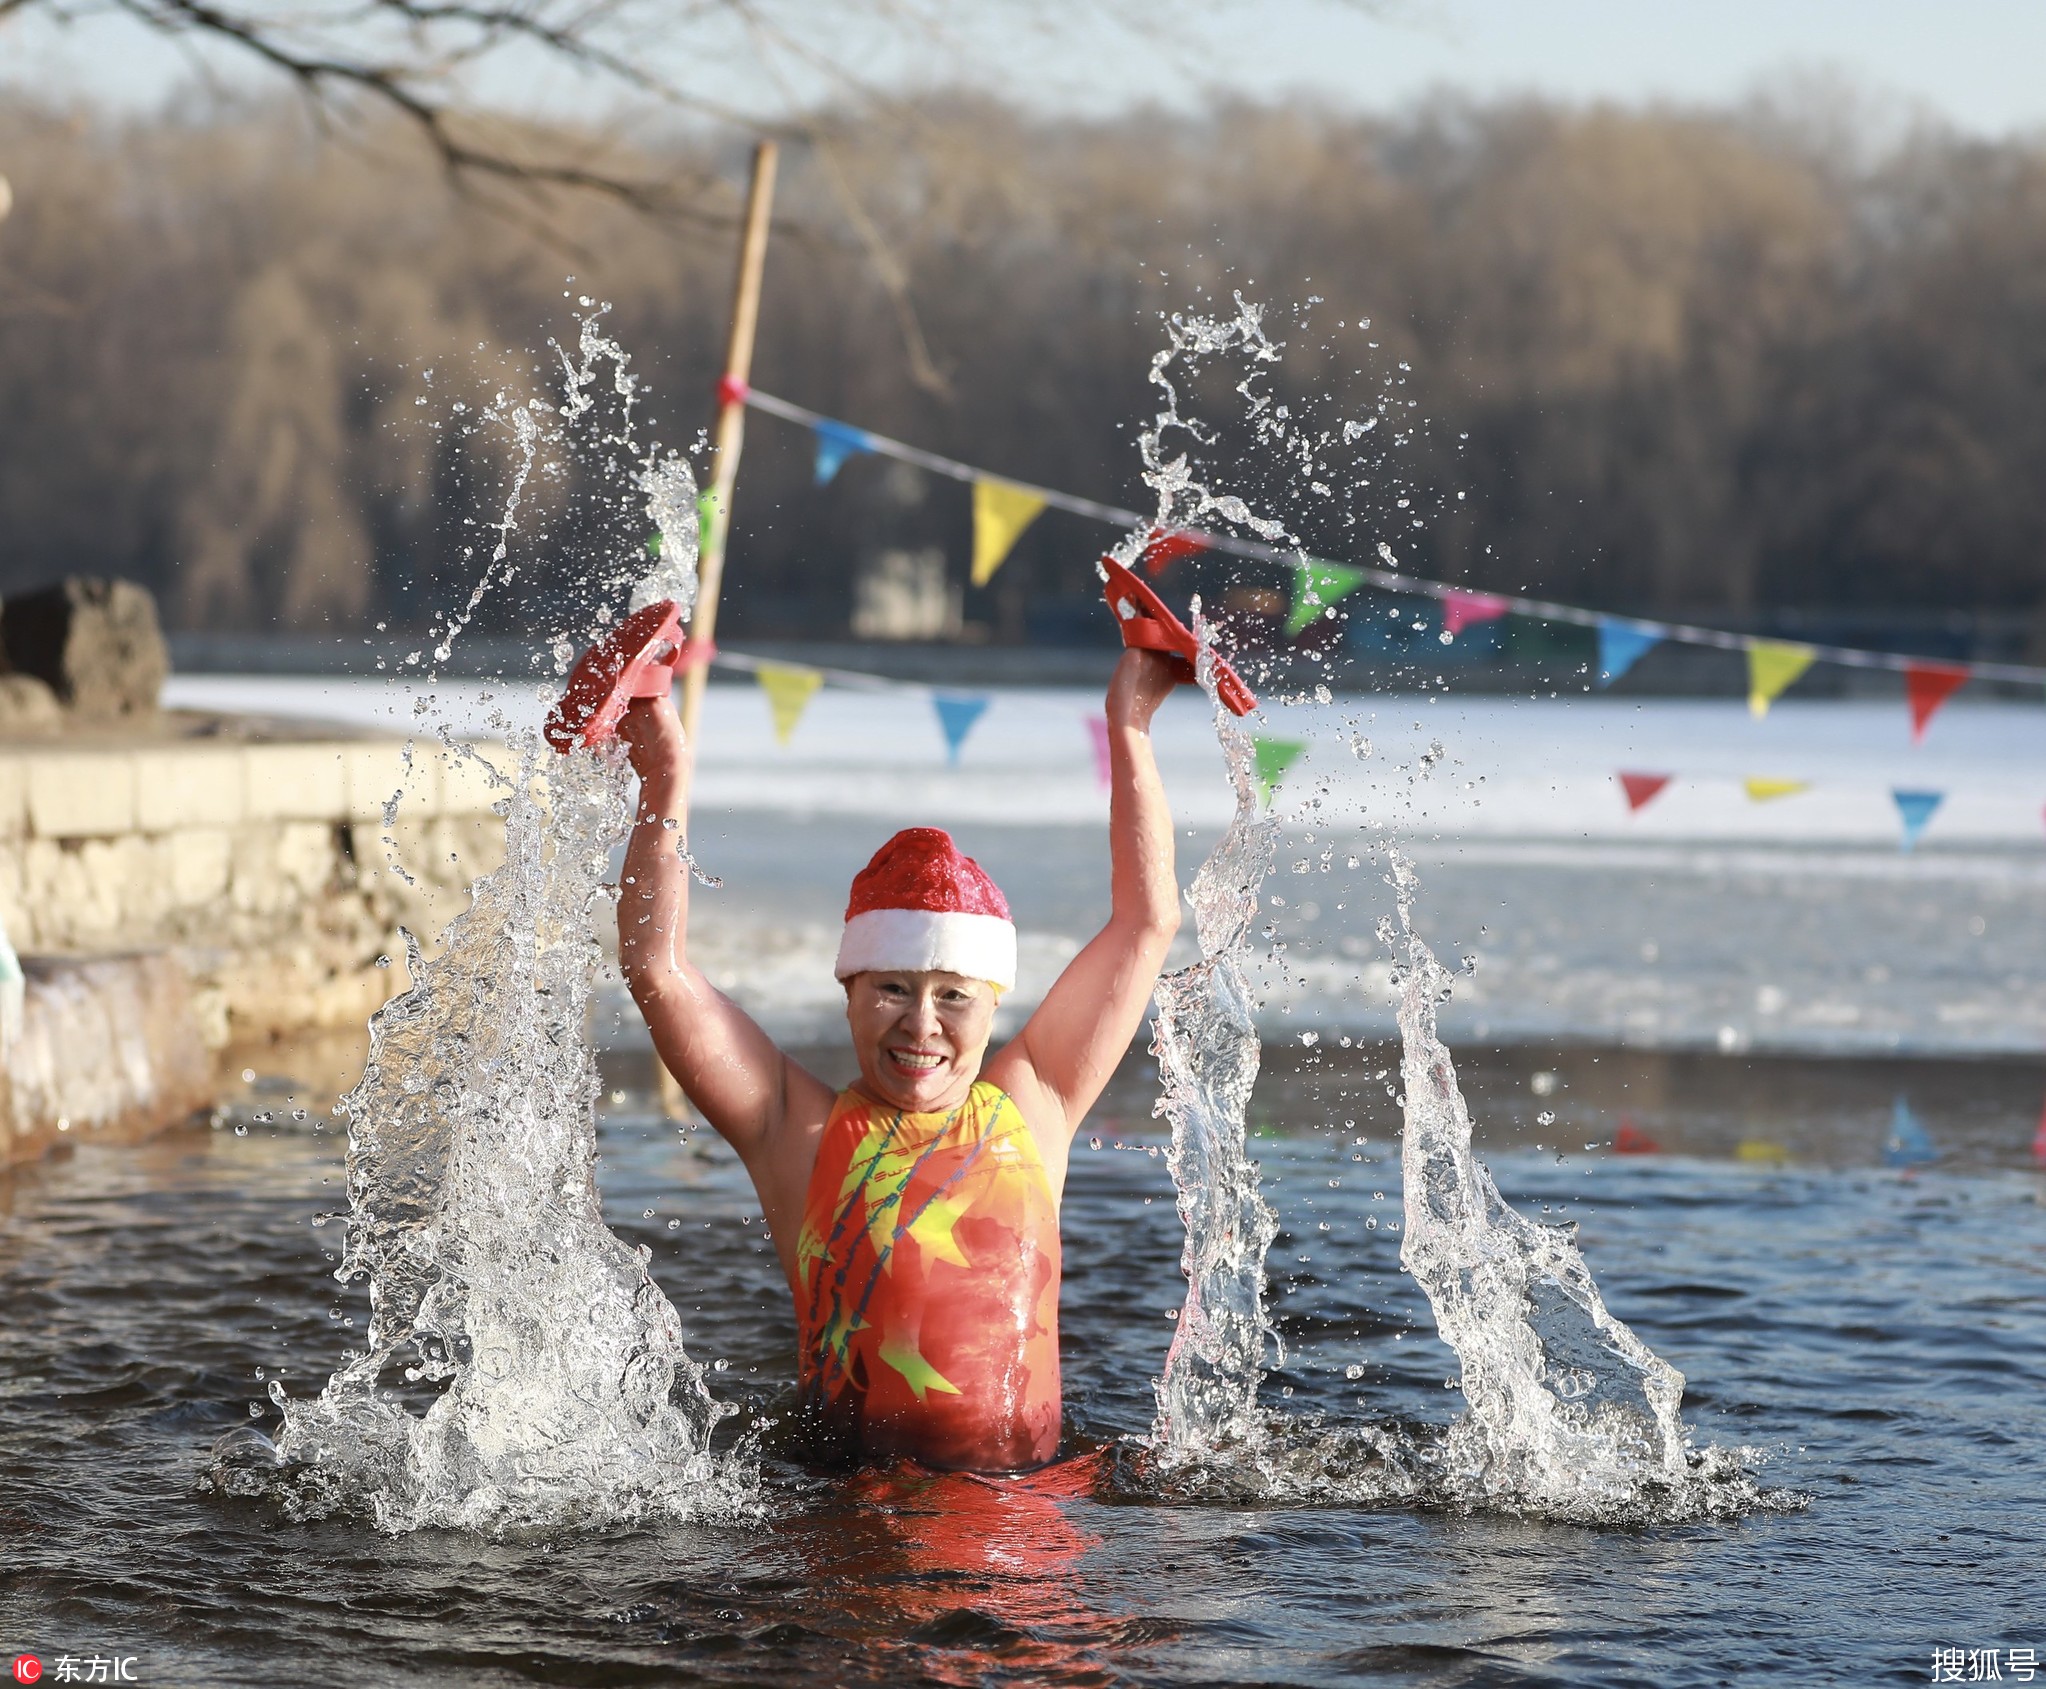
[
  {"x": 396, "y": 84},
  {"x": 413, "y": 57}
]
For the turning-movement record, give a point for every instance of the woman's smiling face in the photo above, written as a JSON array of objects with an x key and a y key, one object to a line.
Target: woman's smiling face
[{"x": 920, "y": 1036}]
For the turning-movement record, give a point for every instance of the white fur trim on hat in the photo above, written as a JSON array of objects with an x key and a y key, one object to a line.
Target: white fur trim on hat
[{"x": 930, "y": 940}]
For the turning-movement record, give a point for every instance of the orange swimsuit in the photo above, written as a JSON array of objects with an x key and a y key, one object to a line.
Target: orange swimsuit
[{"x": 927, "y": 1295}]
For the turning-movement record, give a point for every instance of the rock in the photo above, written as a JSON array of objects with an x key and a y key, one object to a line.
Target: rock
[
  {"x": 95, "y": 644},
  {"x": 27, "y": 707}
]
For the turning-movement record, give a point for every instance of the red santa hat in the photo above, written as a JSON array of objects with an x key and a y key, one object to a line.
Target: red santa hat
[{"x": 923, "y": 905}]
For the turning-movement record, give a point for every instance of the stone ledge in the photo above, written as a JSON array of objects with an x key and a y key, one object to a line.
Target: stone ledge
[{"x": 97, "y": 791}]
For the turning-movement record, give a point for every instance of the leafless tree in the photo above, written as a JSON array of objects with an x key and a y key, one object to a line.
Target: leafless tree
[{"x": 1674, "y": 361}]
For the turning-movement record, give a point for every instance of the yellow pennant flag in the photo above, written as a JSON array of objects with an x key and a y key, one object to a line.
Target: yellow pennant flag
[
  {"x": 1001, "y": 511},
  {"x": 789, "y": 691},
  {"x": 1761, "y": 788},
  {"x": 1772, "y": 666}
]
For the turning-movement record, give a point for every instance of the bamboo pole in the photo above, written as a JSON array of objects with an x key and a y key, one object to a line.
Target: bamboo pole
[
  {"x": 731, "y": 437},
  {"x": 731, "y": 426}
]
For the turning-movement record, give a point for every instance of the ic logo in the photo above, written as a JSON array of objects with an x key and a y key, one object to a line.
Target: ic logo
[{"x": 27, "y": 1669}]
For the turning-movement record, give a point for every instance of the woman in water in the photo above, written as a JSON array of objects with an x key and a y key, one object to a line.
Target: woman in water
[{"x": 916, "y": 1213}]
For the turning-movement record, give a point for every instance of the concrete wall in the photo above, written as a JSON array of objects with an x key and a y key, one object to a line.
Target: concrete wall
[{"x": 263, "y": 873}]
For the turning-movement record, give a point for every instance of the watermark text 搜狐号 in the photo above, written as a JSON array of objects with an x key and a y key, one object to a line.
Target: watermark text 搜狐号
[{"x": 1985, "y": 1665}]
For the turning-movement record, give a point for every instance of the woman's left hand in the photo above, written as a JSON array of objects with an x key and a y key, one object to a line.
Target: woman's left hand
[{"x": 1142, "y": 681}]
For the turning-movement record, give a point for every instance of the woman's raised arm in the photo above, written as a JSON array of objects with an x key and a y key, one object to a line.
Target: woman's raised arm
[
  {"x": 1071, "y": 1045},
  {"x": 727, "y": 1065}
]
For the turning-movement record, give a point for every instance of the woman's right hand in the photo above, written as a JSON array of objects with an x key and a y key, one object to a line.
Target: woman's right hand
[{"x": 654, "y": 741}]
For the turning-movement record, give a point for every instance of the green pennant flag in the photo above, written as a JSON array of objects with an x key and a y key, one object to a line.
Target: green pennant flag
[
  {"x": 1316, "y": 586},
  {"x": 1274, "y": 757},
  {"x": 706, "y": 515}
]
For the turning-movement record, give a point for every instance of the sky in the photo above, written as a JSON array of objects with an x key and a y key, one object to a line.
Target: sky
[{"x": 1972, "y": 63}]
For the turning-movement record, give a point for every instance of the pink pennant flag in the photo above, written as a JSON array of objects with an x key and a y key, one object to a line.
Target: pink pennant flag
[
  {"x": 1460, "y": 609},
  {"x": 2039, "y": 1140},
  {"x": 1097, "y": 730}
]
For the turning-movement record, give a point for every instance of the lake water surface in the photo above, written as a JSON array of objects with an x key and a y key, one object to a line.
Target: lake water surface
[
  {"x": 1697, "y": 1033},
  {"x": 1878, "y": 1337}
]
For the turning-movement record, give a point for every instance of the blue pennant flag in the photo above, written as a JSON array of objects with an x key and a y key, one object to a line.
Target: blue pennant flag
[
  {"x": 1915, "y": 809},
  {"x": 836, "y": 441},
  {"x": 957, "y": 712},
  {"x": 1620, "y": 647},
  {"x": 1910, "y": 1144}
]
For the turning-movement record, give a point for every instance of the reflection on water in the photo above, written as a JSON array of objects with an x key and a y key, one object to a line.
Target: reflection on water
[
  {"x": 964, "y": 1569},
  {"x": 1980, "y": 1113}
]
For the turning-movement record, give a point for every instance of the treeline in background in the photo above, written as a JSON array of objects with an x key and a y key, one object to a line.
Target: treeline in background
[{"x": 1735, "y": 366}]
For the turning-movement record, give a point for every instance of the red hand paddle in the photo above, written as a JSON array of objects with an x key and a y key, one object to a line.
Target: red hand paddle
[
  {"x": 1148, "y": 626},
  {"x": 636, "y": 659}
]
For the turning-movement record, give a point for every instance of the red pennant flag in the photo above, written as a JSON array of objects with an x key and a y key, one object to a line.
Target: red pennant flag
[
  {"x": 1927, "y": 686},
  {"x": 1631, "y": 1140},
  {"x": 2039, "y": 1140},
  {"x": 1642, "y": 788},
  {"x": 1460, "y": 609},
  {"x": 1166, "y": 546}
]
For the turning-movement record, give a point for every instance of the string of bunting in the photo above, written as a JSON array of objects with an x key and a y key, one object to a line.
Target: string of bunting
[
  {"x": 1003, "y": 508},
  {"x": 789, "y": 688},
  {"x": 1915, "y": 807}
]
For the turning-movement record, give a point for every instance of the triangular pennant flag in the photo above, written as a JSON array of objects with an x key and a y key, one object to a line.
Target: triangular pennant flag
[
  {"x": 1274, "y": 757},
  {"x": 1166, "y": 546},
  {"x": 1772, "y": 666},
  {"x": 653, "y": 543},
  {"x": 1316, "y": 586},
  {"x": 837, "y": 441},
  {"x": 1001, "y": 511},
  {"x": 2039, "y": 1139},
  {"x": 957, "y": 712},
  {"x": 1926, "y": 687},
  {"x": 1762, "y": 788},
  {"x": 1909, "y": 1144},
  {"x": 706, "y": 517},
  {"x": 1631, "y": 1140},
  {"x": 1915, "y": 809},
  {"x": 1097, "y": 734},
  {"x": 789, "y": 691},
  {"x": 1460, "y": 609},
  {"x": 1620, "y": 646},
  {"x": 1641, "y": 789}
]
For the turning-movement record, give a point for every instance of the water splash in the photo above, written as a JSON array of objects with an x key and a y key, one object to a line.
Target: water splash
[
  {"x": 1184, "y": 501},
  {"x": 522, "y": 1372},
  {"x": 1205, "y": 1035},
  {"x": 1206, "y": 1042},
  {"x": 671, "y": 507},
  {"x": 1569, "y": 1414}
]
